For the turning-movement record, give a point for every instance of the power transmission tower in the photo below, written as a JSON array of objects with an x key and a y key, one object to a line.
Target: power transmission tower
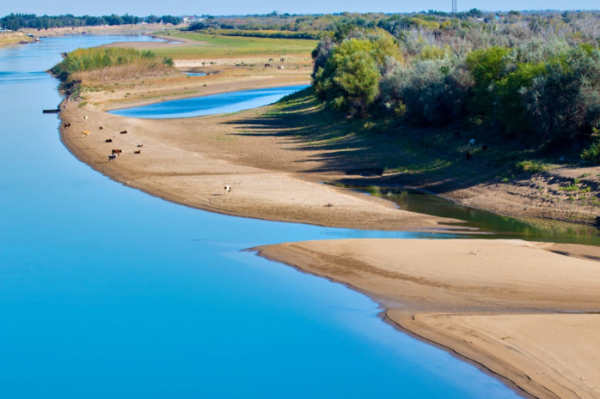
[{"x": 454, "y": 7}]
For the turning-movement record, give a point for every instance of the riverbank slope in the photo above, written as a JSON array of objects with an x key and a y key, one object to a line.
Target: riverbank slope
[
  {"x": 12, "y": 38},
  {"x": 525, "y": 311}
]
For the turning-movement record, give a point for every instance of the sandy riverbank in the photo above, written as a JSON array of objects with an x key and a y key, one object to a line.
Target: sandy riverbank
[
  {"x": 507, "y": 306},
  {"x": 189, "y": 161}
]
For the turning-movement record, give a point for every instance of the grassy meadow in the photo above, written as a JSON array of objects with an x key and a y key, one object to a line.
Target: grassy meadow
[{"x": 212, "y": 46}]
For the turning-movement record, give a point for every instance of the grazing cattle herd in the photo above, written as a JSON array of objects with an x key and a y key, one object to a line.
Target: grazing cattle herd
[
  {"x": 117, "y": 152},
  {"x": 268, "y": 65}
]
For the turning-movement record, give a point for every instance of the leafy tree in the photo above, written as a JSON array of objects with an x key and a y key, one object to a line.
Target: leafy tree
[{"x": 350, "y": 78}]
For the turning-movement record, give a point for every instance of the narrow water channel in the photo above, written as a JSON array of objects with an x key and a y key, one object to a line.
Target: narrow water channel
[
  {"x": 209, "y": 105},
  {"x": 498, "y": 226},
  {"x": 106, "y": 292}
]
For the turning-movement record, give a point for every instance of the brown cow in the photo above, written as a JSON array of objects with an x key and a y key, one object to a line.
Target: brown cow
[
  {"x": 137, "y": 152},
  {"x": 124, "y": 132},
  {"x": 267, "y": 65},
  {"x": 108, "y": 141},
  {"x": 117, "y": 152}
]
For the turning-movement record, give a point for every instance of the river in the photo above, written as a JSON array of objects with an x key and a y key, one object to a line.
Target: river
[{"x": 106, "y": 292}]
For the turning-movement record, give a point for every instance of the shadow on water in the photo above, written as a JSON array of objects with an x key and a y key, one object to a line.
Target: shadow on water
[{"x": 498, "y": 225}]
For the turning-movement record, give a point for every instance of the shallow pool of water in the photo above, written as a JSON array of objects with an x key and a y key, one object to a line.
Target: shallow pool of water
[
  {"x": 106, "y": 292},
  {"x": 195, "y": 73},
  {"x": 500, "y": 226},
  {"x": 214, "y": 104}
]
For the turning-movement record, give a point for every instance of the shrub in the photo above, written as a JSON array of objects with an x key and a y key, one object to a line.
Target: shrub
[
  {"x": 349, "y": 78},
  {"x": 564, "y": 102},
  {"x": 531, "y": 166},
  {"x": 93, "y": 58},
  {"x": 592, "y": 152},
  {"x": 433, "y": 92}
]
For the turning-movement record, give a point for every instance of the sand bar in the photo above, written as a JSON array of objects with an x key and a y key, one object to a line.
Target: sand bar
[
  {"x": 190, "y": 160},
  {"x": 527, "y": 312}
]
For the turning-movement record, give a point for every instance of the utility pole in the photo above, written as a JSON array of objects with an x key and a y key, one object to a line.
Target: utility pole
[{"x": 454, "y": 6}]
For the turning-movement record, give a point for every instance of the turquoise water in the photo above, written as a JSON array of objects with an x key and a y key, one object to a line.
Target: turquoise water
[
  {"x": 215, "y": 104},
  {"x": 195, "y": 73},
  {"x": 106, "y": 292}
]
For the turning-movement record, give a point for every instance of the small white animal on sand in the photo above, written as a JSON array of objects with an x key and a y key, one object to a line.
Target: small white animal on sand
[
  {"x": 85, "y": 117},
  {"x": 227, "y": 189}
]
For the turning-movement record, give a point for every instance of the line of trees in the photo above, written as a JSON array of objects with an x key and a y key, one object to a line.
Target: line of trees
[
  {"x": 536, "y": 78},
  {"x": 19, "y": 21}
]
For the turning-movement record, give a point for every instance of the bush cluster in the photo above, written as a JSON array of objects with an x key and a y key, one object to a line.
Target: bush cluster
[
  {"x": 537, "y": 78},
  {"x": 89, "y": 59}
]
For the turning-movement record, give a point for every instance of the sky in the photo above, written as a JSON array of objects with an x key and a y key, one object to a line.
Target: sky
[{"x": 230, "y": 7}]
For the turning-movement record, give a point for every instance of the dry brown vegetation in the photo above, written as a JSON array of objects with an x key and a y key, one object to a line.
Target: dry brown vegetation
[{"x": 146, "y": 69}]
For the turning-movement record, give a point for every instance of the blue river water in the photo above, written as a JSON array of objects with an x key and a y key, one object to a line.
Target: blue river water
[
  {"x": 215, "y": 104},
  {"x": 106, "y": 292}
]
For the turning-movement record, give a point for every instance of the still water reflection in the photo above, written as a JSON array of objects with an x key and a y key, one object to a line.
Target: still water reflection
[{"x": 500, "y": 226}]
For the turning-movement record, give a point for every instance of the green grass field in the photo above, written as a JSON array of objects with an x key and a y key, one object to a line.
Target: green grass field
[{"x": 234, "y": 46}]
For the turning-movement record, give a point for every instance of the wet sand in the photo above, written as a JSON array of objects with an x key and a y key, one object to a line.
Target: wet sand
[{"x": 527, "y": 312}]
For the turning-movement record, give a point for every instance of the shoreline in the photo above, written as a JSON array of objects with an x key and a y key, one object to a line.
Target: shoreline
[
  {"x": 510, "y": 384},
  {"x": 439, "y": 317}
]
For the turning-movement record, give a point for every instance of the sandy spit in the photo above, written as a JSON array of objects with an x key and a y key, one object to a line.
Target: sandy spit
[
  {"x": 527, "y": 312},
  {"x": 190, "y": 160}
]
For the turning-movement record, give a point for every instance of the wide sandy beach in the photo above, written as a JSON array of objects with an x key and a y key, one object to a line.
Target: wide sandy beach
[{"x": 527, "y": 312}]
